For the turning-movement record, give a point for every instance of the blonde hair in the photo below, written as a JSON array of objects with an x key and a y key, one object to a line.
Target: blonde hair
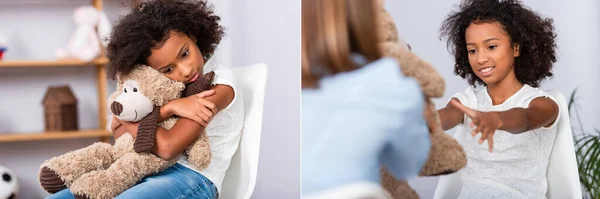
[{"x": 334, "y": 29}]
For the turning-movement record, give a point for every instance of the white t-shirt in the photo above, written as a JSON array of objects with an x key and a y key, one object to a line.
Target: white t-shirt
[
  {"x": 518, "y": 164},
  {"x": 223, "y": 131}
]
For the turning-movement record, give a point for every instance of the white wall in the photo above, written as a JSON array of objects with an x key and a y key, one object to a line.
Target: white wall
[
  {"x": 257, "y": 31},
  {"x": 577, "y": 25},
  {"x": 269, "y": 31}
]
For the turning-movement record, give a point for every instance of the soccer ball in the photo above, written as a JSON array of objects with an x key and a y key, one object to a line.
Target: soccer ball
[{"x": 8, "y": 183}]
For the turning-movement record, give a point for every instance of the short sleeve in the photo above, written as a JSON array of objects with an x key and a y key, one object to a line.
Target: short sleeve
[
  {"x": 546, "y": 95},
  {"x": 211, "y": 64},
  {"x": 224, "y": 76},
  {"x": 464, "y": 98}
]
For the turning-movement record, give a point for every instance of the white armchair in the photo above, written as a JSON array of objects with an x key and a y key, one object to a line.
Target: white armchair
[{"x": 240, "y": 178}]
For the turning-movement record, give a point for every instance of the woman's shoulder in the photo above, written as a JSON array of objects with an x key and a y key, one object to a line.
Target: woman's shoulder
[
  {"x": 377, "y": 84},
  {"x": 381, "y": 72},
  {"x": 375, "y": 71}
]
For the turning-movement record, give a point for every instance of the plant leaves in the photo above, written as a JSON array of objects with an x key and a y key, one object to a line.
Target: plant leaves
[{"x": 572, "y": 100}]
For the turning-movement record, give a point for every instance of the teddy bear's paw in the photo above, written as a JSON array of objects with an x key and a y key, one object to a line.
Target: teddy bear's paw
[
  {"x": 200, "y": 161},
  {"x": 79, "y": 196},
  {"x": 50, "y": 180},
  {"x": 199, "y": 153},
  {"x": 399, "y": 189},
  {"x": 446, "y": 156},
  {"x": 70, "y": 166}
]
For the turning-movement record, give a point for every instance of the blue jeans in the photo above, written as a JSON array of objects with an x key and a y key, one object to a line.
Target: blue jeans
[{"x": 177, "y": 181}]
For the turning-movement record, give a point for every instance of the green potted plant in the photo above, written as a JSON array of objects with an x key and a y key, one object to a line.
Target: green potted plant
[{"x": 587, "y": 150}]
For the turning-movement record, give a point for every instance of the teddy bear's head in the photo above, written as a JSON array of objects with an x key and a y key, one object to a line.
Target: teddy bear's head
[
  {"x": 144, "y": 88},
  {"x": 431, "y": 82},
  {"x": 140, "y": 91}
]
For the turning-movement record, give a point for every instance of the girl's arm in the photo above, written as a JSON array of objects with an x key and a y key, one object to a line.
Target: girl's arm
[
  {"x": 171, "y": 143},
  {"x": 167, "y": 111},
  {"x": 450, "y": 116},
  {"x": 164, "y": 113},
  {"x": 541, "y": 112}
]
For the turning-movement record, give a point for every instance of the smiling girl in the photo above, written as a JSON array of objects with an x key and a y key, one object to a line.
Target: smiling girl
[{"x": 504, "y": 50}]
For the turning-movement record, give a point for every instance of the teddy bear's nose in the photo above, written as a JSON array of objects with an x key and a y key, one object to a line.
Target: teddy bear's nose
[{"x": 116, "y": 108}]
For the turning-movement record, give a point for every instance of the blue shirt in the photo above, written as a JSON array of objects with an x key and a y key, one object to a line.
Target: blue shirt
[{"x": 358, "y": 121}]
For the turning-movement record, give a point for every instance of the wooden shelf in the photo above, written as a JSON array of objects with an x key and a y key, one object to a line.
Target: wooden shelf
[
  {"x": 94, "y": 133},
  {"x": 101, "y": 82},
  {"x": 51, "y": 63}
]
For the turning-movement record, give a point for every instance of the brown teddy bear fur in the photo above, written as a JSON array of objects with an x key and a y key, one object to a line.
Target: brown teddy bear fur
[
  {"x": 446, "y": 154},
  {"x": 102, "y": 170}
]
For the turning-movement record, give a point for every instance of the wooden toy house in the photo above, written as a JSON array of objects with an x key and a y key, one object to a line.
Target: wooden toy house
[{"x": 60, "y": 109}]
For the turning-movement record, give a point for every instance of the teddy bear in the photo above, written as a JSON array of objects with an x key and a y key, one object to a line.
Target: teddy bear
[
  {"x": 446, "y": 154},
  {"x": 102, "y": 170},
  {"x": 85, "y": 42}
]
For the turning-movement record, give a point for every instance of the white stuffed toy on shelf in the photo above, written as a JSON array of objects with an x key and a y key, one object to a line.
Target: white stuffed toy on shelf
[
  {"x": 84, "y": 44},
  {"x": 9, "y": 185}
]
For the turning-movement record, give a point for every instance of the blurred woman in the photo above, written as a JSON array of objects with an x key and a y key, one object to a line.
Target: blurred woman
[{"x": 358, "y": 111}]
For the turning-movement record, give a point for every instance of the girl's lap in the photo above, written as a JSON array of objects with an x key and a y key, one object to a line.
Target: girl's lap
[{"x": 175, "y": 182}]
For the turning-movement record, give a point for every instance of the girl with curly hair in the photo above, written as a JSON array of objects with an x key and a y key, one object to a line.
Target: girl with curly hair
[
  {"x": 177, "y": 38},
  {"x": 504, "y": 50}
]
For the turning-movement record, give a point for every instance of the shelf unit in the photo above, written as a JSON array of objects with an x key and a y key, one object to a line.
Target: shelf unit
[
  {"x": 54, "y": 135},
  {"x": 101, "y": 80},
  {"x": 50, "y": 63}
]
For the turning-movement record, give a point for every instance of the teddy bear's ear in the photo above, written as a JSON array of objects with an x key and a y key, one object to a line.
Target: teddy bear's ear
[
  {"x": 431, "y": 82},
  {"x": 388, "y": 30},
  {"x": 155, "y": 86},
  {"x": 120, "y": 78},
  {"x": 117, "y": 92}
]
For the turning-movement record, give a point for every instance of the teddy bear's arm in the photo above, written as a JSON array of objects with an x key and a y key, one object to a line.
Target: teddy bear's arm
[
  {"x": 202, "y": 84},
  {"x": 145, "y": 140}
]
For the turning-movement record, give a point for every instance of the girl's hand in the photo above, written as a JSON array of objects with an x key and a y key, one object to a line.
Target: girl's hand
[
  {"x": 116, "y": 123},
  {"x": 194, "y": 107},
  {"x": 486, "y": 122},
  {"x": 120, "y": 127}
]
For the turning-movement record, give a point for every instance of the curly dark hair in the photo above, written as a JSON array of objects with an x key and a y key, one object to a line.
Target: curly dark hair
[
  {"x": 148, "y": 26},
  {"x": 534, "y": 34}
]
